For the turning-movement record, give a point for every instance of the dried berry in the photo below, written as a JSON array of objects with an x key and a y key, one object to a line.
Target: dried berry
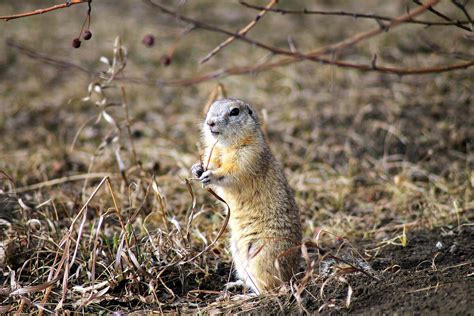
[
  {"x": 165, "y": 60},
  {"x": 87, "y": 35},
  {"x": 148, "y": 40},
  {"x": 76, "y": 43}
]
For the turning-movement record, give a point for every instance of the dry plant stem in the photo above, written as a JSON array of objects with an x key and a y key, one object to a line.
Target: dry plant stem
[
  {"x": 354, "y": 15},
  {"x": 49, "y": 183},
  {"x": 221, "y": 230},
  {"x": 163, "y": 208},
  {"x": 33, "y": 288},
  {"x": 190, "y": 213},
  {"x": 129, "y": 127},
  {"x": 226, "y": 219},
  {"x": 94, "y": 251},
  {"x": 49, "y": 289},
  {"x": 87, "y": 19},
  {"x": 66, "y": 241},
  {"x": 242, "y": 32},
  {"x": 20, "y": 308},
  {"x": 210, "y": 155},
  {"x": 117, "y": 210}
]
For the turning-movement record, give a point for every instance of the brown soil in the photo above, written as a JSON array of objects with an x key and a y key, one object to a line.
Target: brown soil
[
  {"x": 433, "y": 274},
  {"x": 430, "y": 279}
]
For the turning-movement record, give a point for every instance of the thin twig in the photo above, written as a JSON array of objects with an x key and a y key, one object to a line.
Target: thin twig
[
  {"x": 242, "y": 32},
  {"x": 347, "y": 14},
  {"x": 221, "y": 230},
  {"x": 119, "y": 215},
  {"x": 41, "y": 11},
  {"x": 462, "y": 7},
  {"x": 443, "y": 16},
  {"x": 45, "y": 58}
]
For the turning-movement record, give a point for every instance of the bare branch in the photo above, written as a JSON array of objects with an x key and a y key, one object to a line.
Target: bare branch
[
  {"x": 46, "y": 59},
  {"x": 443, "y": 16},
  {"x": 349, "y": 14},
  {"x": 234, "y": 71},
  {"x": 312, "y": 55},
  {"x": 242, "y": 32},
  {"x": 41, "y": 11},
  {"x": 462, "y": 7},
  {"x": 292, "y": 57}
]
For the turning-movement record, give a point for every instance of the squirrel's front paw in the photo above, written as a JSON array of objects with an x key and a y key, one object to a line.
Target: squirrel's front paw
[
  {"x": 206, "y": 177},
  {"x": 197, "y": 170}
]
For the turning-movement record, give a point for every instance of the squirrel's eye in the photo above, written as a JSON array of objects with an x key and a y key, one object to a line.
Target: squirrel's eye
[{"x": 234, "y": 112}]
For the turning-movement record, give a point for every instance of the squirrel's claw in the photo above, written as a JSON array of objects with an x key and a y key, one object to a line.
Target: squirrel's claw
[
  {"x": 197, "y": 170},
  {"x": 205, "y": 177}
]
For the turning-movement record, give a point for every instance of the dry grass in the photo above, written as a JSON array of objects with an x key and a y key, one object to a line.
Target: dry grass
[{"x": 89, "y": 225}]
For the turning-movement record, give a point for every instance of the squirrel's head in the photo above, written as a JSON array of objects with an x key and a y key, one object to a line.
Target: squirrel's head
[{"x": 230, "y": 121}]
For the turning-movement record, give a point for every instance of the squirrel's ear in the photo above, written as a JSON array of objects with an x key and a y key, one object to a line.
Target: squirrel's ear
[{"x": 250, "y": 110}]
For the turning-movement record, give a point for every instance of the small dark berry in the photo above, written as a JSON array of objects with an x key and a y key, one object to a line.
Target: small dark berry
[
  {"x": 148, "y": 40},
  {"x": 76, "y": 43},
  {"x": 165, "y": 60},
  {"x": 87, "y": 35}
]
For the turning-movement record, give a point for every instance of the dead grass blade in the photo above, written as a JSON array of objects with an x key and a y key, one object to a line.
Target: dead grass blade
[
  {"x": 33, "y": 288},
  {"x": 221, "y": 230},
  {"x": 49, "y": 183}
]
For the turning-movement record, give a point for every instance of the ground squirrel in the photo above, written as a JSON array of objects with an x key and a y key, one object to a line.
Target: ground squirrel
[{"x": 264, "y": 223}]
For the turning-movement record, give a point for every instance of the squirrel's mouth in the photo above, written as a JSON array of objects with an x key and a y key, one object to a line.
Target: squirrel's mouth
[{"x": 214, "y": 132}]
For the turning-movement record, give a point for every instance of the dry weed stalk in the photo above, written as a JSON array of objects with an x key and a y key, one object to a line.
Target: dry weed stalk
[{"x": 215, "y": 195}]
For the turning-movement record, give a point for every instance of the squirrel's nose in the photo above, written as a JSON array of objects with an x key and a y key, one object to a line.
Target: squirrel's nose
[{"x": 210, "y": 122}]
